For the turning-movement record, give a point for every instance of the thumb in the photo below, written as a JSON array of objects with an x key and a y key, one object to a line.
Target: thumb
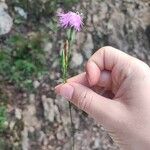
[{"x": 97, "y": 106}]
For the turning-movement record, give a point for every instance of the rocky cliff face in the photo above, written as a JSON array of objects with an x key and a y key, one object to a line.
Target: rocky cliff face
[{"x": 123, "y": 24}]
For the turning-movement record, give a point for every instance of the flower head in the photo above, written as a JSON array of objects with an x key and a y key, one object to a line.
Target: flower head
[{"x": 71, "y": 19}]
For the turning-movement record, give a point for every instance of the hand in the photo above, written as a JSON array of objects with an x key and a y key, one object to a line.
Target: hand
[{"x": 126, "y": 112}]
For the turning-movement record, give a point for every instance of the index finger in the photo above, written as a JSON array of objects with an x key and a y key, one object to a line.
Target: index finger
[{"x": 106, "y": 58}]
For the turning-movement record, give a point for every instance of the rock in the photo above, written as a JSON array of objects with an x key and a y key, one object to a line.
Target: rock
[
  {"x": 3, "y": 6},
  {"x": 6, "y": 124},
  {"x": 96, "y": 143},
  {"x": 21, "y": 12},
  {"x": 18, "y": 113},
  {"x": 11, "y": 125},
  {"x": 29, "y": 117},
  {"x": 103, "y": 8},
  {"x": 88, "y": 46},
  {"x": 46, "y": 86},
  {"x": 55, "y": 63},
  {"x": 25, "y": 139},
  {"x": 31, "y": 129},
  {"x": 57, "y": 113},
  {"x": 77, "y": 60},
  {"x": 32, "y": 98},
  {"x": 36, "y": 84},
  {"x": 49, "y": 108},
  {"x": 42, "y": 136},
  {"x": 60, "y": 135},
  {"x": 80, "y": 39},
  {"x": 6, "y": 21},
  {"x": 24, "y": 95},
  {"x": 48, "y": 47},
  {"x": 52, "y": 75},
  {"x": 115, "y": 26},
  {"x": 45, "y": 142}
]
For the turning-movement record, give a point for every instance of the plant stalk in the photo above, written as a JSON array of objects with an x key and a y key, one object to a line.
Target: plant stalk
[{"x": 65, "y": 61}]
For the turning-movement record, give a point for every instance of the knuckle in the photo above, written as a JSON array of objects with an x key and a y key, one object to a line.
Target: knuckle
[
  {"x": 82, "y": 100},
  {"x": 85, "y": 100},
  {"x": 101, "y": 51}
]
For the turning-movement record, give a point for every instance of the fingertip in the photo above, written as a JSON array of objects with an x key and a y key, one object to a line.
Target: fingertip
[
  {"x": 93, "y": 73},
  {"x": 57, "y": 88},
  {"x": 65, "y": 90}
]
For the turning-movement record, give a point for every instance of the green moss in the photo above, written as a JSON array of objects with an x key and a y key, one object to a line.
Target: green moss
[
  {"x": 23, "y": 60},
  {"x": 3, "y": 118}
]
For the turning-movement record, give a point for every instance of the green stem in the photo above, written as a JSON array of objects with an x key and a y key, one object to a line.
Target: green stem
[
  {"x": 66, "y": 57},
  {"x": 64, "y": 75},
  {"x": 70, "y": 105},
  {"x": 72, "y": 126},
  {"x": 70, "y": 108}
]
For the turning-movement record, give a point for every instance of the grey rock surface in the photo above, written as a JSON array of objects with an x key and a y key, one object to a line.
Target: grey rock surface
[
  {"x": 25, "y": 139},
  {"x": 49, "y": 108},
  {"x": 6, "y": 21},
  {"x": 21, "y": 12},
  {"x": 77, "y": 60}
]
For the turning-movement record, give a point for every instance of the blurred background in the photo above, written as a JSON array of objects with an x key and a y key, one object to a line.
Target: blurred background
[{"x": 32, "y": 117}]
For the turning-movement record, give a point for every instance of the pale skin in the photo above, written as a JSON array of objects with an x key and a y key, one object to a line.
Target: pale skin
[{"x": 125, "y": 113}]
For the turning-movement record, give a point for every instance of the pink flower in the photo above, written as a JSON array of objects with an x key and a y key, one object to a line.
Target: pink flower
[{"x": 71, "y": 19}]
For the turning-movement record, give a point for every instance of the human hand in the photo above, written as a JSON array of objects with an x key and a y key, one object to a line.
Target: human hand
[{"x": 126, "y": 113}]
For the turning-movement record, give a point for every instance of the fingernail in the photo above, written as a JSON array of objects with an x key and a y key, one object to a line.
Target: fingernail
[{"x": 65, "y": 91}]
